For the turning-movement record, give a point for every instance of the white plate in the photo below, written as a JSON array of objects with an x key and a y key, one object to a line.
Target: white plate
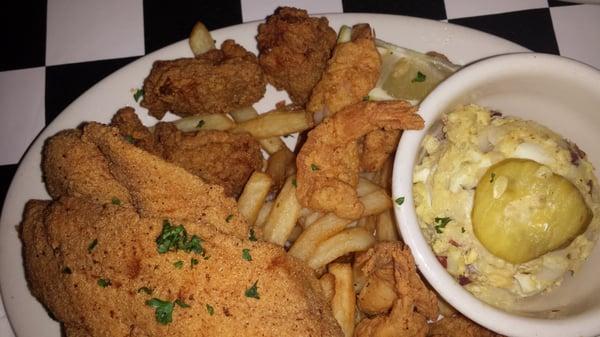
[{"x": 26, "y": 314}]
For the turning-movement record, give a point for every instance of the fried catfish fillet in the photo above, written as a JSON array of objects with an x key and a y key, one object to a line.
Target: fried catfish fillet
[
  {"x": 328, "y": 163},
  {"x": 218, "y": 157},
  {"x": 74, "y": 167},
  {"x": 217, "y": 81},
  {"x": 130, "y": 270},
  {"x": 294, "y": 49}
]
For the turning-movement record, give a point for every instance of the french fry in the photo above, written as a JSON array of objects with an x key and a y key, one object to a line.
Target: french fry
[
  {"x": 320, "y": 230},
  {"x": 271, "y": 145},
  {"x": 343, "y": 303},
  {"x": 327, "y": 282},
  {"x": 296, "y": 231},
  {"x": 284, "y": 214},
  {"x": 376, "y": 202},
  {"x": 365, "y": 187},
  {"x": 306, "y": 220},
  {"x": 350, "y": 240},
  {"x": 200, "y": 39},
  {"x": 275, "y": 124},
  {"x": 386, "y": 227},
  {"x": 278, "y": 164},
  {"x": 263, "y": 214},
  {"x": 254, "y": 195},
  {"x": 368, "y": 223},
  {"x": 204, "y": 122}
]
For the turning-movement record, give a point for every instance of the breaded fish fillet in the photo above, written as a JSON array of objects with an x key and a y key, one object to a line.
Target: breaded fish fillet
[
  {"x": 294, "y": 49},
  {"x": 217, "y": 81},
  {"x": 128, "y": 270},
  {"x": 74, "y": 167}
]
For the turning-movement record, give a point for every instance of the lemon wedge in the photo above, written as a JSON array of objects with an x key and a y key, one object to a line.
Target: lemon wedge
[{"x": 408, "y": 74}]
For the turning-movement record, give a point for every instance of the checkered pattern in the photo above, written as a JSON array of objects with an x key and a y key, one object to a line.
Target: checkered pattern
[{"x": 57, "y": 49}]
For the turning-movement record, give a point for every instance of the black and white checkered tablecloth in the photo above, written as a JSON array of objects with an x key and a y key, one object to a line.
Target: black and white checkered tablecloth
[{"x": 54, "y": 50}]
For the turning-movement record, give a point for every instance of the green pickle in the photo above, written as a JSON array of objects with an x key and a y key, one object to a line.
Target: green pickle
[{"x": 522, "y": 211}]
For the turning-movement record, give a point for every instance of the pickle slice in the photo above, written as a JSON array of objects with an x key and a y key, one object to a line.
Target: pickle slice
[{"x": 522, "y": 210}]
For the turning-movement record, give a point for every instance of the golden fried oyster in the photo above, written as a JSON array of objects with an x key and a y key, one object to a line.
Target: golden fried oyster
[
  {"x": 294, "y": 49},
  {"x": 217, "y": 81}
]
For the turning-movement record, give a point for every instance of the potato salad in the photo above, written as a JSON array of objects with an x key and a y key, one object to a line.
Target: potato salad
[{"x": 508, "y": 206}]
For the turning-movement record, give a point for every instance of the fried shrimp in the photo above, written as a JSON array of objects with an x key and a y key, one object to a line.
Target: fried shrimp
[
  {"x": 329, "y": 163},
  {"x": 351, "y": 73}
]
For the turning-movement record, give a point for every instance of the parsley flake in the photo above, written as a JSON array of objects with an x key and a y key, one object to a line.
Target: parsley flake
[
  {"x": 419, "y": 78},
  {"x": 252, "y": 235},
  {"x": 138, "y": 94},
  {"x": 129, "y": 139},
  {"x": 229, "y": 217},
  {"x": 366, "y": 98},
  {"x": 440, "y": 224},
  {"x": 462, "y": 230},
  {"x": 92, "y": 245},
  {"x": 145, "y": 290},
  {"x": 493, "y": 177},
  {"x": 194, "y": 262},
  {"x": 294, "y": 182},
  {"x": 399, "y": 201},
  {"x": 200, "y": 124},
  {"x": 181, "y": 303},
  {"x": 178, "y": 264},
  {"x": 104, "y": 282},
  {"x": 252, "y": 291},
  {"x": 173, "y": 238},
  {"x": 314, "y": 167},
  {"x": 115, "y": 201},
  {"x": 246, "y": 254},
  {"x": 164, "y": 310},
  {"x": 210, "y": 309}
]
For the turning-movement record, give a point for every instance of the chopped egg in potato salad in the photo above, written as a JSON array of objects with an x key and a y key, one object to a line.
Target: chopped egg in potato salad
[{"x": 507, "y": 205}]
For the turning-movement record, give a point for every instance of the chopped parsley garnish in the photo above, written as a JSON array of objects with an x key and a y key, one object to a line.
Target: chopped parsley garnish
[
  {"x": 178, "y": 264},
  {"x": 194, "y": 262},
  {"x": 129, "y": 139},
  {"x": 440, "y": 224},
  {"x": 164, "y": 310},
  {"x": 104, "y": 282},
  {"x": 314, "y": 167},
  {"x": 181, "y": 303},
  {"x": 92, "y": 245},
  {"x": 173, "y": 238},
  {"x": 399, "y": 201},
  {"x": 210, "y": 309},
  {"x": 246, "y": 254},
  {"x": 229, "y": 217},
  {"x": 462, "y": 230},
  {"x": 294, "y": 182},
  {"x": 252, "y": 291},
  {"x": 366, "y": 98},
  {"x": 252, "y": 235},
  {"x": 138, "y": 94},
  {"x": 493, "y": 177},
  {"x": 200, "y": 124},
  {"x": 115, "y": 201},
  {"x": 145, "y": 290},
  {"x": 206, "y": 257},
  {"x": 419, "y": 78},
  {"x": 67, "y": 270}
]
